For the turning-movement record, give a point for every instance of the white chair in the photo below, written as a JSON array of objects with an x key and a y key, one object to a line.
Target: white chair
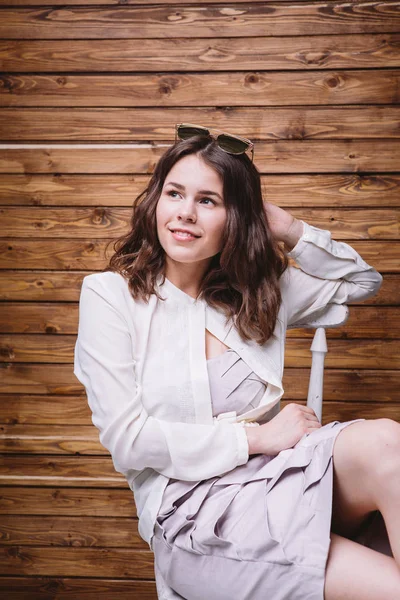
[
  {"x": 333, "y": 316},
  {"x": 373, "y": 533}
]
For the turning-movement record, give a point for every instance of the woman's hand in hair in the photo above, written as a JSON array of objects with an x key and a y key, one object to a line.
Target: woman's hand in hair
[
  {"x": 284, "y": 227},
  {"x": 283, "y": 431}
]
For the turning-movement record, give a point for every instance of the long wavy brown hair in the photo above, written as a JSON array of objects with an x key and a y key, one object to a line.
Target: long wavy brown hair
[{"x": 243, "y": 279}]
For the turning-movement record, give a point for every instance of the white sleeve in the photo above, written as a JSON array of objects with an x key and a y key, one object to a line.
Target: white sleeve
[
  {"x": 104, "y": 364},
  {"x": 330, "y": 272}
]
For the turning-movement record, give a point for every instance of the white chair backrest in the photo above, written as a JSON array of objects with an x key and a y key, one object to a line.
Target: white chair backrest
[{"x": 334, "y": 315}]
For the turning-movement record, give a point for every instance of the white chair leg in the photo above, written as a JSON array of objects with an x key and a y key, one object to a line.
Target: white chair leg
[{"x": 315, "y": 389}]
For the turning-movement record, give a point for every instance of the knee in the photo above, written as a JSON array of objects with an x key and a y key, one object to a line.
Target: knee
[{"x": 385, "y": 442}]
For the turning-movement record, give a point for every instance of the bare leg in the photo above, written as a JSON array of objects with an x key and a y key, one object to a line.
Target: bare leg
[
  {"x": 354, "y": 572},
  {"x": 367, "y": 477}
]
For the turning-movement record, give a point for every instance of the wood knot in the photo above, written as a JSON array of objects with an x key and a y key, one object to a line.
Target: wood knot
[
  {"x": 51, "y": 329},
  {"x": 165, "y": 89},
  {"x": 252, "y": 78},
  {"x": 7, "y": 352},
  {"x": 332, "y": 82},
  {"x": 13, "y": 551},
  {"x": 6, "y": 83},
  {"x": 99, "y": 216}
]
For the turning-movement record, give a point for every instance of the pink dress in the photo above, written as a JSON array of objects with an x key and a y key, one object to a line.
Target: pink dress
[{"x": 259, "y": 531}]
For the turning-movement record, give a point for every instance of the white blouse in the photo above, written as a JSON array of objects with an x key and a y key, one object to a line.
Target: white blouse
[{"x": 145, "y": 372}]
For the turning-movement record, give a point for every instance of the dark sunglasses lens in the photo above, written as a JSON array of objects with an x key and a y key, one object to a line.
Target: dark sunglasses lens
[
  {"x": 231, "y": 144},
  {"x": 185, "y": 132}
]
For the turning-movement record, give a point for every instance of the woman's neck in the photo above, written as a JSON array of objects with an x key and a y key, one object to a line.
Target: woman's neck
[{"x": 186, "y": 277}]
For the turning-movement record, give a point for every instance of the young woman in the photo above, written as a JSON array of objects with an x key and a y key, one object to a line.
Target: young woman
[{"x": 180, "y": 348}]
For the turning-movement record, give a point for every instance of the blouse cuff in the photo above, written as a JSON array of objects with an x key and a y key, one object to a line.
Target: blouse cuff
[
  {"x": 322, "y": 239},
  {"x": 243, "y": 444},
  {"x": 302, "y": 242}
]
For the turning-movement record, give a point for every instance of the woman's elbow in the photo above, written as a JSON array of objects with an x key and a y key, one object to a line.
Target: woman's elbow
[
  {"x": 369, "y": 288},
  {"x": 376, "y": 282}
]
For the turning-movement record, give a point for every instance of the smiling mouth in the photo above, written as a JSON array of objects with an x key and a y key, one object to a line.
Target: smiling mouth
[{"x": 183, "y": 235}]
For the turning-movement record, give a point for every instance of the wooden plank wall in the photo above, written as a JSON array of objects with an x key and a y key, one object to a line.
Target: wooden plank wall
[{"x": 89, "y": 94}]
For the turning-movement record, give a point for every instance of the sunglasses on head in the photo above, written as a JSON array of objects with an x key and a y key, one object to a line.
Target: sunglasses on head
[{"x": 232, "y": 144}]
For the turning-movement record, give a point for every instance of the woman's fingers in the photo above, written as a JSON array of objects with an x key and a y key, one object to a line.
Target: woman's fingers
[
  {"x": 307, "y": 409},
  {"x": 314, "y": 425},
  {"x": 312, "y": 418}
]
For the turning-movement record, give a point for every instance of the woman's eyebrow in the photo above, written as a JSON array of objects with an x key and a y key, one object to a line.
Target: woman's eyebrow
[{"x": 182, "y": 187}]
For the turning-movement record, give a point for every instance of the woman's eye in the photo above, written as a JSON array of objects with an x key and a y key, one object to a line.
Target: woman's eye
[
  {"x": 171, "y": 193},
  {"x": 208, "y": 200}
]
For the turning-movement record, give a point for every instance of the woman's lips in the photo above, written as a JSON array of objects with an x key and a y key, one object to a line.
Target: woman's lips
[{"x": 183, "y": 237}]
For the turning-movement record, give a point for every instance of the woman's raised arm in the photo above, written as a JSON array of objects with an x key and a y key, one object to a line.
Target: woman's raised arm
[{"x": 330, "y": 271}]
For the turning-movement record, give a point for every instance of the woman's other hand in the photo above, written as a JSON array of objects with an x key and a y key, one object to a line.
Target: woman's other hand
[
  {"x": 284, "y": 227},
  {"x": 283, "y": 431}
]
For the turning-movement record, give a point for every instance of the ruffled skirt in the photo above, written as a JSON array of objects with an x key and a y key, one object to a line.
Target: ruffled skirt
[{"x": 258, "y": 532}]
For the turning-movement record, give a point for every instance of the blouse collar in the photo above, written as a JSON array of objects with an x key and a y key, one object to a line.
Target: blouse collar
[{"x": 173, "y": 290}]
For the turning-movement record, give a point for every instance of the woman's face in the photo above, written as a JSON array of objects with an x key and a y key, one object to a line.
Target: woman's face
[{"x": 192, "y": 200}]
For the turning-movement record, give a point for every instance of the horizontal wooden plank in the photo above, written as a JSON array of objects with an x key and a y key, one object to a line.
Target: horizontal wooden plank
[
  {"x": 66, "y": 471},
  {"x": 38, "y": 379},
  {"x": 343, "y": 190},
  {"x": 346, "y": 385},
  {"x": 251, "y": 88},
  {"x": 353, "y": 354},
  {"x": 56, "y": 410},
  {"x": 339, "y": 384},
  {"x": 370, "y": 322},
  {"x": 55, "y": 254},
  {"x": 37, "y": 348},
  {"x": 90, "y": 255},
  {"x": 62, "y": 588},
  {"x": 100, "y": 222},
  {"x": 54, "y": 439},
  {"x": 118, "y": 190},
  {"x": 73, "y": 531},
  {"x": 47, "y": 439},
  {"x": 45, "y": 409},
  {"x": 282, "y": 156},
  {"x": 73, "y": 501},
  {"x": 77, "y": 562},
  {"x": 200, "y": 21},
  {"x": 83, "y": 440},
  {"x": 154, "y": 124},
  {"x": 64, "y": 286},
  {"x": 369, "y": 50},
  {"x": 44, "y": 317}
]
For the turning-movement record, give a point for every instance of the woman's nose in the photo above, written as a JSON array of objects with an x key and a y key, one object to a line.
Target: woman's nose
[{"x": 187, "y": 211}]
